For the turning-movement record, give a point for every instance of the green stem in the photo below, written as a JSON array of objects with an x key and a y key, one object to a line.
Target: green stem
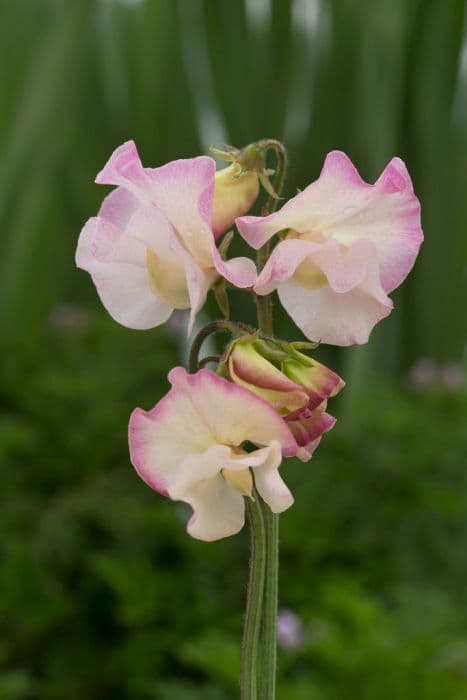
[
  {"x": 261, "y": 613},
  {"x": 268, "y": 660},
  {"x": 254, "y": 604},
  {"x": 279, "y": 174},
  {"x": 267, "y": 689},
  {"x": 232, "y": 327}
]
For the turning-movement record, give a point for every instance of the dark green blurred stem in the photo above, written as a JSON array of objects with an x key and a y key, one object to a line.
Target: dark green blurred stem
[
  {"x": 233, "y": 327},
  {"x": 208, "y": 359},
  {"x": 253, "y": 612}
]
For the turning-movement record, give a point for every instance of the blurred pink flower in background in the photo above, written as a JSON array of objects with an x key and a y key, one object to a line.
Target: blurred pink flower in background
[{"x": 290, "y": 632}]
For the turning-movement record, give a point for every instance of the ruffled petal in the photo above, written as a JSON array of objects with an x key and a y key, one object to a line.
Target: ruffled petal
[
  {"x": 116, "y": 264},
  {"x": 177, "y": 277},
  {"x": 339, "y": 319},
  {"x": 219, "y": 509},
  {"x": 233, "y": 414},
  {"x": 184, "y": 444},
  {"x": 342, "y": 309},
  {"x": 124, "y": 169},
  {"x": 162, "y": 439},
  {"x": 342, "y": 206},
  {"x": 183, "y": 190},
  {"x": 290, "y": 254}
]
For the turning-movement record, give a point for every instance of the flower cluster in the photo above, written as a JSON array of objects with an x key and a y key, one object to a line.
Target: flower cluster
[{"x": 342, "y": 245}]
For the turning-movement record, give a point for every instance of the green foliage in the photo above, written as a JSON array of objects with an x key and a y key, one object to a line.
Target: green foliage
[
  {"x": 103, "y": 595},
  {"x": 375, "y": 78}
]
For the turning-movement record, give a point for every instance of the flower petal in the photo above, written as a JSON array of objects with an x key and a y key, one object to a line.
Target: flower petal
[
  {"x": 344, "y": 309},
  {"x": 200, "y": 411},
  {"x": 269, "y": 483},
  {"x": 343, "y": 270},
  {"x": 218, "y": 510},
  {"x": 339, "y": 319},
  {"x": 183, "y": 190},
  {"x": 117, "y": 266},
  {"x": 241, "y": 272},
  {"x": 118, "y": 207},
  {"x": 233, "y": 414},
  {"x": 308, "y": 427},
  {"x": 342, "y": 206},
  {"x": 124, "y": 169}
]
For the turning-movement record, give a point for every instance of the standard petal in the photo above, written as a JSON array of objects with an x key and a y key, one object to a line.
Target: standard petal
[
  {"x": 118, "y": 207},
  {"x": 165, "y": 439},
  {"x": 342, "y": 206},
  {"x": 183, "y": 190},
  {"x": 233, "y": 414},
  {"x": 124, "y": 169},
  {"x": 174, "y": 274},
  {"x": 117, "y": 268}
]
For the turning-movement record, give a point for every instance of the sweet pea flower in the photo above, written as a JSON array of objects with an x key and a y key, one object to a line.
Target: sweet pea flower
[
  {"x": 345, "y": 246},
  {"x": 191, "y": 447},
  {"x": 152, "y": 249},
  {"x": 298, "y": 391}
]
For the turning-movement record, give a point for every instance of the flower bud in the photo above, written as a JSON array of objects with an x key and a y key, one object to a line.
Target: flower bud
[
  {"x": 235, "y": 192},
  {"x": 249, "y": 368},
  {"x": 319, "y": 382},
  {"x": 296, "y": 386}
]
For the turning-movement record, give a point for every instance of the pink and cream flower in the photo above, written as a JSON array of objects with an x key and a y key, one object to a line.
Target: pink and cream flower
[
  {"x": 191, "y": 447},
  {"x": 152, "y": 249},
  {"x": 345, "y": 245}
]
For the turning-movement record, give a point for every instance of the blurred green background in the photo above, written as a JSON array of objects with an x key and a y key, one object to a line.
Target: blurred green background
[{"x": 102, "y": 594}]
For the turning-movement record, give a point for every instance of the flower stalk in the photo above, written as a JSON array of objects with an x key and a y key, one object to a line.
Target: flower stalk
[
  {"x": 235, "y": 328},
  {"x": 267, "y": 559},
  {"x": 254, "y": 605}
]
